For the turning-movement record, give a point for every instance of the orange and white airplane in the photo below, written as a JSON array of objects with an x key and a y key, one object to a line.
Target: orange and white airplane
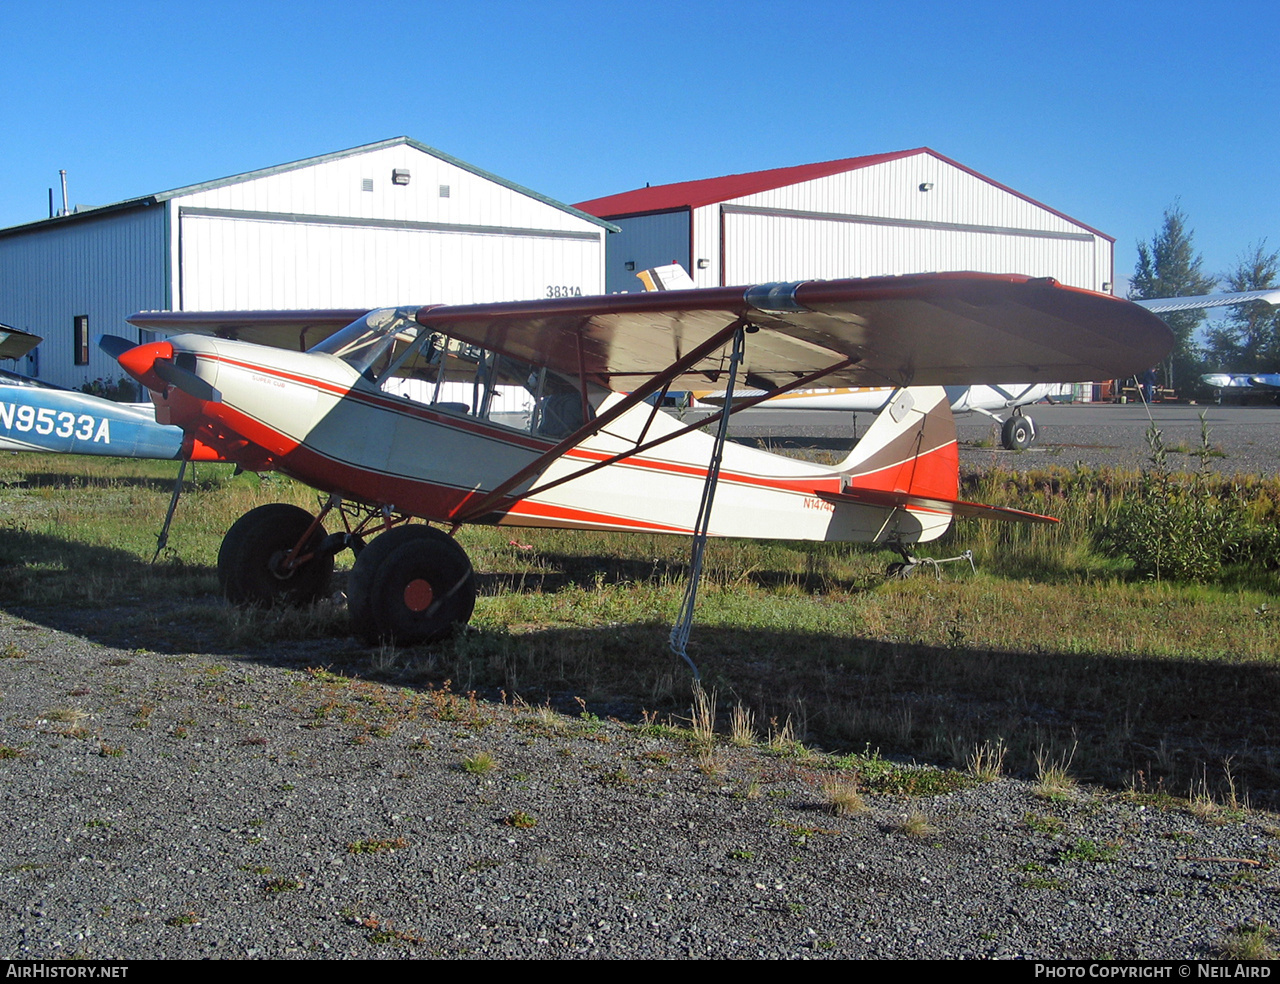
[{"x": 358, "y": 416}]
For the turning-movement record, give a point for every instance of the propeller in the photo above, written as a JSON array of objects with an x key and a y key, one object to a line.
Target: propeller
[
  {"x": 114, "y": 345},
  {"x": 186, "y": 380},
  {"x": 154, "y": 364}
]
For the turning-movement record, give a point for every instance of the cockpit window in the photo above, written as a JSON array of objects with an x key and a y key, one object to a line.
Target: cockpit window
[
  {"x": 370, "y": 343},
  {"x": 390, "y": 349}
]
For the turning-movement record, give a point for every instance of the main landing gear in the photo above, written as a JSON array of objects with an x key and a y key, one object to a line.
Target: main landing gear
[
  {"x": 411, "y": 584},
  {"x": 1018, "y": 432}
]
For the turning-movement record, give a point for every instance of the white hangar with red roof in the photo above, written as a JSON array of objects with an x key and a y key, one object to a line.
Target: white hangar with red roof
[{"x": 912, "y": 211}]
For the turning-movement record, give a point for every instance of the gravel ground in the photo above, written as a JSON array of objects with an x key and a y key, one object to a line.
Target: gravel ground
[
  {"x": 241, "y": 805},
  {"x": 1246, "y": 440},
  {"x": 211, "y": 804}
]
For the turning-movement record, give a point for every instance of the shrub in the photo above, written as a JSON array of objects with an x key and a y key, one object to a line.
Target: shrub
[
  {"x": 1176, "y": 528},
  {"x": 122, "y": 390}
]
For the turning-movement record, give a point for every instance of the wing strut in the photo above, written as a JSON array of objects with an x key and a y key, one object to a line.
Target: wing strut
[
  {"x": 706, "y": 421},
  {"x": 467, "y": 510},
  {"x": 679, "y": 639}
]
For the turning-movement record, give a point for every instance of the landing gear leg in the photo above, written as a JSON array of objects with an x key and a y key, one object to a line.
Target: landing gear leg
[{"x": 902, "y": 569}]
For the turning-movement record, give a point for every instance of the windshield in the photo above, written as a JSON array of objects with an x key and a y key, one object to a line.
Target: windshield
[{"x": 369, "y": 343}]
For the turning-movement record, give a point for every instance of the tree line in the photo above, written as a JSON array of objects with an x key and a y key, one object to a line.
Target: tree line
[{"x": 1247, "y": 340}]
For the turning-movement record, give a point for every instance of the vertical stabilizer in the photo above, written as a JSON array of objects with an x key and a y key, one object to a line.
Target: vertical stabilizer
[
  {"x": 911, "y": 448},
  {"x": 670, "y": 277}
]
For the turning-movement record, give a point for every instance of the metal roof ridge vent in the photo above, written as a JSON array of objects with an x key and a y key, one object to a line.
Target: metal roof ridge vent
[{"x": 775, "y": 298}]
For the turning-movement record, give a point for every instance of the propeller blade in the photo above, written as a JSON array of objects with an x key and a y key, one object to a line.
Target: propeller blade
[
  {"x": 186, "y": 381},
  {"x": 114, "y": 345}
]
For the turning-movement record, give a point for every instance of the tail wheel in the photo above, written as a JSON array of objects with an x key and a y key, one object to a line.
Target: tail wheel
[
  {"x": 251, "y": 560},
  {"x": 1018, "y": 433},
  {"x": 412, "y": 584}
]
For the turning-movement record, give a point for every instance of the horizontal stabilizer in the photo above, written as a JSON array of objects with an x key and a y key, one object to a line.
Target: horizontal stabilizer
[
  {"x": 15, "y": 343},
  {"x": 954, "y": 507}
]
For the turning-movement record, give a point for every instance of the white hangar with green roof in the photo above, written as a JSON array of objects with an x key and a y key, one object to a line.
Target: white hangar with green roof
[{"x": 390, "y": 223}]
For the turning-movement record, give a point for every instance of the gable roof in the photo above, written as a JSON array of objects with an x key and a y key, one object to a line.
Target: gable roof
[
  {"x": 709, "y": 191},
  {"x": 163, "y": 196}
]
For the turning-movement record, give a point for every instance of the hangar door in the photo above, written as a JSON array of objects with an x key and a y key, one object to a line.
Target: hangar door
[
  {"x": 760, "y": 244},
  {"x": 231, "y": 260}
]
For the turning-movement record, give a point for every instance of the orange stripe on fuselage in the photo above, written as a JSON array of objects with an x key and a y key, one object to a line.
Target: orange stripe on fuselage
[
  {"x": 931, "y": 474},
  {"x": 437, "y": 500}
]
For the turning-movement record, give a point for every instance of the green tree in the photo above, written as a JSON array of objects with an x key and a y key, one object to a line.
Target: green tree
[
  {"x": 1169, "y": 266},
  {"x": 1248, "y": 339}
]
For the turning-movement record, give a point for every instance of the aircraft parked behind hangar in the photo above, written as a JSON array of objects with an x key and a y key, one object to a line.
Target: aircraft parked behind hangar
[{"x": 1017, "y": 429}]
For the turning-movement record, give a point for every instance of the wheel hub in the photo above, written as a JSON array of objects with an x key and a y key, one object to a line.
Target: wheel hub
[
  {"x": 276, "y": 565},
  {"x": 418, "y": 595}
]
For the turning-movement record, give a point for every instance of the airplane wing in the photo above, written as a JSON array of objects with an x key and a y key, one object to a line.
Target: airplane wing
[
  {"x": 945, "y": 328},
  {"x": 922, "y": 329},
  {"x": 1167, "y": 305},
  {"x": 297, "y": 330},
  {"x": 15, "y": 343}
]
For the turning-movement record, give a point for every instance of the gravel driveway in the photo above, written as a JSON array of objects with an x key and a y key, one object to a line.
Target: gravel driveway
[{"x": 250, "y": 805}]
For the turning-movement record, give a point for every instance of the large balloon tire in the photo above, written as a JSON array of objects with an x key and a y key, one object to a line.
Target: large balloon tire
[
  {"x": 252, "y": 552},
  {"x": 412, "y": 584}
]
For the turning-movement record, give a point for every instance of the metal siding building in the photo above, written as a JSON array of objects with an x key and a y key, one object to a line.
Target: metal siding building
[
  {"x": 328, "y": 232},
  {"x": 913, "y": 211}
]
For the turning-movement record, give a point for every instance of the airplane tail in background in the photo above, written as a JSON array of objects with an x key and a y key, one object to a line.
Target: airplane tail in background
[
  {"x": 909, "y": 457},
  {"x": 670, "y": 277}
]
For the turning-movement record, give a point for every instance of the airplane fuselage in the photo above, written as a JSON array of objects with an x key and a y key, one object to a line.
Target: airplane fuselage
[
  {"x": 38, "y": 418},
  {"x": 313, "y": 416}
]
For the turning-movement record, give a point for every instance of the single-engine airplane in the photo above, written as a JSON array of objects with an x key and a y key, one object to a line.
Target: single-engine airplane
[
  {"x": 35, "y": 416},
  {"x": 358, "y": 415}
]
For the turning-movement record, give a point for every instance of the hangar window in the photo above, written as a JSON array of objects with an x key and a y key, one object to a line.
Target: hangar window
[
  {"x": 366, "y": 184},
  {"x": 444, "y": 191},
  {"x": 81, "y": 340}
]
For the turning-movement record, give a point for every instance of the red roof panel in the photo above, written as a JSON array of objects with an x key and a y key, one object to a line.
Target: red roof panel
[
  {"x": 708, "y": 191},
  {"x": 695, "y": 194}
]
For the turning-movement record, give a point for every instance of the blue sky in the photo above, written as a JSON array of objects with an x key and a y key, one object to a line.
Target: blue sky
[{"x": 1109, "y": 112}]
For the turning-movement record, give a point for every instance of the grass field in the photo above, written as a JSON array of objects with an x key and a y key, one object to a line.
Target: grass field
[{"x": 1052, "y": 651}]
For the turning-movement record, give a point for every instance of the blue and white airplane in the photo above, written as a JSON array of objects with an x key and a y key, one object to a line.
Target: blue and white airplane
[{"x": 35, "y": 416}]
